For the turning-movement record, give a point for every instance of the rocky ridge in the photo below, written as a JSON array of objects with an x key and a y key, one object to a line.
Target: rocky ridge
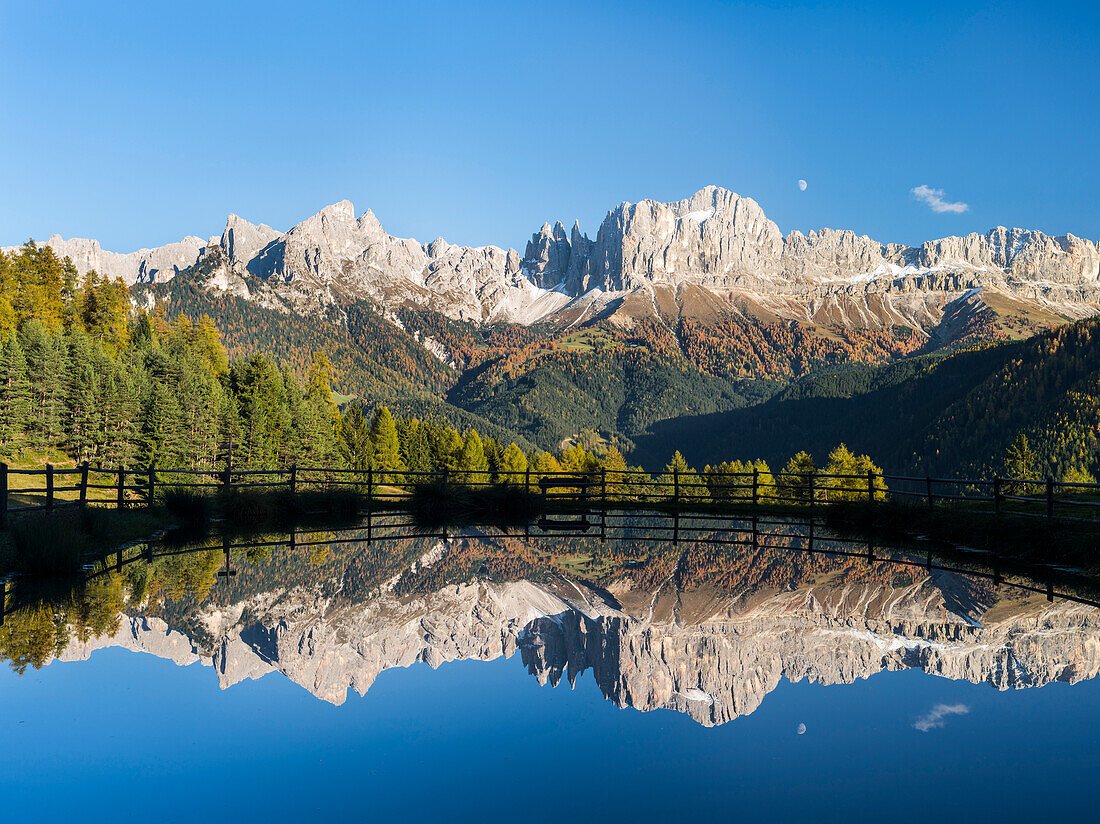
[
  {"x": 715, "y": 666},
  {"x": 715, "y": 243}
]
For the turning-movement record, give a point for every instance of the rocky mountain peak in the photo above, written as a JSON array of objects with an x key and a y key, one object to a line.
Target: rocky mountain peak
[
  {"x": 714, "y": 240},
  {"x": 438, "y": 247},
  {"x": 242, "y": 241}
]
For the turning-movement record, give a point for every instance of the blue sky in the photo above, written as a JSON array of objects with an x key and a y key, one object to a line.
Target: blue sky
[{"x": 137, "y": 123}]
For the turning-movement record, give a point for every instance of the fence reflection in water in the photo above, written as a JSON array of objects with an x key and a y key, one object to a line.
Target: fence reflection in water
[{"x": 639, "y": 530}]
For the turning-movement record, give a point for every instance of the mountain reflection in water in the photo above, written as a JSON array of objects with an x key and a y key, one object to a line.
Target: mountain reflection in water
[{"x": 706, "y": 624}]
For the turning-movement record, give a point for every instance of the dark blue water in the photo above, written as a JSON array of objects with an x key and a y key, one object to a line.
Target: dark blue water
[
  {"x": 129, "y": 736},
  {"x": 126, "y": 736}
]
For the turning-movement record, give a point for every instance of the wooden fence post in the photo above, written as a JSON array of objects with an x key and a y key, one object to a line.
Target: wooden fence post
[
  {"x": 3, "y": 495},
  {"x": 227, "y": 473},
  {"x": 370, "y": 484},
  {"x": 675, "y": 486},
  {"x": 84, "y": 483},
  {"x": 603, "y": 504},
  {"x": 120, "y": 501},
  {"x": 152, "y": 483},
  {"x": 997, "y": 495},
  {"x": 292, "y": 480},
  {"x": 871, "y": 486},
  {"x": 755, "y": 486},
  {"x": 49, "y": 486},
  {"x": 1050, "y": 497},
  {"x": 527, "y": 479},
  {"x": 813, "y": 493},
  {"x": 928, "y": 489}
]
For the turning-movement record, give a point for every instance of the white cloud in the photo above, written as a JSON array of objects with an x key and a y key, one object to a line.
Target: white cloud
[
  {"x": 935, "y": 717},
  {"x": 802, "y": 184},
  {"x": 933, "y": 199}
]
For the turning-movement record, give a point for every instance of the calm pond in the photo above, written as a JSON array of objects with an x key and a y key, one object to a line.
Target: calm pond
[{"x": 704, "y": 670}]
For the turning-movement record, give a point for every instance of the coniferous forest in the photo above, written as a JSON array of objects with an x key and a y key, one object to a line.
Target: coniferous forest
[{"x": 180, "y": 375}]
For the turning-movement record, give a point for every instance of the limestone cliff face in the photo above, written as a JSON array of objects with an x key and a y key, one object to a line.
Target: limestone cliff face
[
  {"x": 718, "y": 665},
  {"x": 143, "y": 266},
  {"x": 716, "y": 241}
]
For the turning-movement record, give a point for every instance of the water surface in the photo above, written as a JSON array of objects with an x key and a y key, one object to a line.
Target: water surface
[{"x": 483, "y": 677}]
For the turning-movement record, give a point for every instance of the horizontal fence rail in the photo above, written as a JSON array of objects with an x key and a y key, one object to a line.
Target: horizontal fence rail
[{"x": 50, "y": 488}]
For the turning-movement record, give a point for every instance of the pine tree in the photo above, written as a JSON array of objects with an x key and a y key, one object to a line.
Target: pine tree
[
  {"x": 162, "y": 434},
  {"x": 416, "y": 447},
  {"x": 448, "y": 448},
  {"x": 678, "y": 474},
  {"x": 1021, "y": 462},
  {"x": 471, "y": 459},
  {"x": 299, "y": 440},
  {"x": 796, "y": 480},
  {"x": 513, "y": 465},
  {"x": 15, "y": 396},
  {"x": 83, "y": 398},
  {"x": 47, "y": 370},
  {"x": 263, "y": 411},
  {"x": 123, "y": 439},
  {"x": 615, "y": 469},
  {"x": 494, "y": 454},
  {"x": 354, "y": 438},
  {"x": 545, "y": 464},
  {"x": 385, "y": 446}
]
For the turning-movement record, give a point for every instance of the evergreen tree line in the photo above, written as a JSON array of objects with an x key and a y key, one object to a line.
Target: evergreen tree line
[
  {"x": 83, "y": 373},
  {"x": 163, "y": 393}
]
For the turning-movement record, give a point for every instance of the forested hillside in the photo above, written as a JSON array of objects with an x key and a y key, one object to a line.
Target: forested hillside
[
  {"x": 953, "y": 413},
  {"x": 620, "y": 380},
  {"x": 83, "y": 374},
  {"x": 371, "y": 357},
  {"x": 177, "y": 381},
  {"x": 540, "y": 384}
]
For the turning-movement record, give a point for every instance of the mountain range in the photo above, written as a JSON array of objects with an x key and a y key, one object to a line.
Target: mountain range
[
  {"x": 694, "y": 325},
  {"x": 714, "y": 253}
]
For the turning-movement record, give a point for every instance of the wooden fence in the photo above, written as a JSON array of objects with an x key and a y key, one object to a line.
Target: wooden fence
[{"x": 54, "y": 487}]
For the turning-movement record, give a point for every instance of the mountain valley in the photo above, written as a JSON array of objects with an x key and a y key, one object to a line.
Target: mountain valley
[{"x": 699, "y": 307}]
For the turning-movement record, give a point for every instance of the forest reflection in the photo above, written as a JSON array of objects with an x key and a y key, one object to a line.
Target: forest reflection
[{"x": 733, "y": 600}]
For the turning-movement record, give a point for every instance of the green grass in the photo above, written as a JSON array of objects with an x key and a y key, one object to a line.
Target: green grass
[{"x": 586, "y": 340}]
